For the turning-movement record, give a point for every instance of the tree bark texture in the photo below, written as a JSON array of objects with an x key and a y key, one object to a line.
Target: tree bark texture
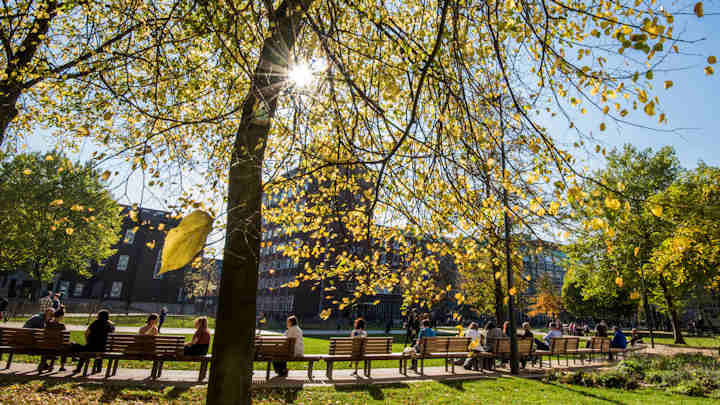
[
  {"x": 673, "y": 312},
  {"x": 233, "y": 351}
]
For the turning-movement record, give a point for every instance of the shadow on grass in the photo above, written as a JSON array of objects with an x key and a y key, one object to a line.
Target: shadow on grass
[
  {"x": 583, "y": 393},
  {"x": 375, "y": 391},
  {"x": 456, "y": 385}
]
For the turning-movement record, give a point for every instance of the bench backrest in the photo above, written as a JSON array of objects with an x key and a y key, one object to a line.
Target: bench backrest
[
  {"x": 557, "y": 345},
  {"x": 273, "y": 347},
  {"x": 20, "y": 337},
  {"x": 145, "y": 345},
  {"x": 572, "y": 344},
  {"x": 378, "y": 345},
  {"x": 524, "y": 346},
  {"x": 600, "y": 343},
  {"x": 500, "y": 345},
  {"x": 346, "y": 346},
  {"x": 445, "y": 344},
  {"x": 53, "y": 339}
]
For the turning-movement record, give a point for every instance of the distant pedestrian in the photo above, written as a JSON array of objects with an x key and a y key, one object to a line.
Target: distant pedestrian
[
  {"x": 163, "y": 314},
  {"x": 46, "y": 302},
  {"x": 56, "y": 301},
  {"x": 388, "y": 326}
]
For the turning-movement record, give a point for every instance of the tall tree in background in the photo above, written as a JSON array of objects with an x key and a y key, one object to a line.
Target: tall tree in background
[
  {"x": 55, "y": 215},
  {"x": 620, "y": 231}
]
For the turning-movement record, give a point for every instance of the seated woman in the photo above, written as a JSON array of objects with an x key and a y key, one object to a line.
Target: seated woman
[
  {"x": 96, "y": 336},
  {"x": 635, "y": 338},
  {"x": 200, "y": 342},
  {"x": 55, "y": 323},
  {"x": 358, "y": 332},
  {"x": 150, "y": 327},
  {"x": 293, "y": 331}
]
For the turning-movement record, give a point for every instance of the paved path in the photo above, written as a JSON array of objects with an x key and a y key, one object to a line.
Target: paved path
[{"x": 295, "y": 377}]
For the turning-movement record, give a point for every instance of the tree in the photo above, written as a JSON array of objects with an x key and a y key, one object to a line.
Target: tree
[
  {"x": 547, "y": 300},
  {"x": 686, "y": 262},
  {"x": 55, "y": 215},
  {"x": 621, "y": 304},
  {"x": 620, "y": 231},
  {"x": 202, "y": 279}
]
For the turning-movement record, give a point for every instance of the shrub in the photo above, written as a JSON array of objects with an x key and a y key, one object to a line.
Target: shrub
[
  {"x": 615, "y": 379},
  {"x": 691, "y": 388}
]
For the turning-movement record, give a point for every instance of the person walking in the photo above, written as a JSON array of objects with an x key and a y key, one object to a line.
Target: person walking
[
  {"x": 56, "y": 301},
  {"x": 163, "y": 314},
  {"x": 46, "y": 302}
]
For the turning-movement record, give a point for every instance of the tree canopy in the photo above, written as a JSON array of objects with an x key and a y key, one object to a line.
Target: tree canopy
[{"x": 55, "y": 215}]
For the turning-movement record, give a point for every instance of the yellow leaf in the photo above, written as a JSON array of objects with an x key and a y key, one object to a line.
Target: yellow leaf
[
  {"x": 637, "y": 250},
  {"x": 699, "y": 9},
  {"x": 49, "y": 158},
  {"x": 106, "y": 175},
  {"x": 619, "y": 281},
  {"x": 650, "y": 108},
  {"x": 69, "y": 231},
  {"x": 657, "y": 210},
  {"x": 612, "y": 203},
  {"x": 150, "y": 245},
  {"x": 27, "y": 172},
  {"x": 376, "y": 302},
  {"x": 602, "y": 126},
  {"x": 53, "y": 227},
  {"x": 709, "y": 70},
  {"x": 185, "y": 241},
  {"x": 498, "y": 275},
  {"x": 711, "y": 60},
  {"x": 57, "y": 202},
  {"x": 513, "y": 291},
  {"x": 325, "y": 313},
  {"x": 668, "y": 84}
]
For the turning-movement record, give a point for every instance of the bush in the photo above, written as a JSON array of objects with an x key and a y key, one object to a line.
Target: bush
[
  {"x": 691, "y": 388},
  {"x": 615, "y": 379}
]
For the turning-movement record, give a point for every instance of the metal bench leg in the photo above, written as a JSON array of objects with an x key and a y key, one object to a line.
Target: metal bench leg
[
  {"x": 109, "y": 368},
  {"x": 452, "y": 365},
  {"x": 63, "y": 359},
  {"x": 310, "y": 369},
  {"x": 160, "y": 368},
  {"x": 203, "y": 370},
  {"x": 9, "y": 361},
  {"x": 422, "y": 366},
  {"x": 85, "y": 367},
  {"x": 368, "y": 368},
  {"x": 267, "y": 372},
  {"x": 329, "y": 370},
  {"x": 116, "y": 363}
]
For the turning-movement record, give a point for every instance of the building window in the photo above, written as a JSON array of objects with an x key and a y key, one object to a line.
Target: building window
[
  {"x": 122, "y": 263},
  {"x": 158, "y": 263},
  {"x": 79, "y": 287},
  {"x": 63, "y": 287},
  {"x": 116, "y": 290},
  {"x": 129, "y": 237}
]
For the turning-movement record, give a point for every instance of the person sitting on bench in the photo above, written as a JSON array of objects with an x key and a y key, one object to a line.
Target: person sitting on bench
[
  {"x": 150, "y": 327},
  {"x": 547, "y": 340},
  {"x": 619, "y": 341},
  {"x": 96, "y": 336},
  {"x": 293, "y": 331},
  {"x": 38, "y": 321},
  {"x": 200, "y": 342}
]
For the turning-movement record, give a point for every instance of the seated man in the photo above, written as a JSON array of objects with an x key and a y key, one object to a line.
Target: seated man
[
  {"x": 635, "y": 338},
  {"x": 38, "y": 321},
  {"x": 619, "y": 341},
  {"x": 547, "y": 340},
  {"x": 96, "y": 337}
]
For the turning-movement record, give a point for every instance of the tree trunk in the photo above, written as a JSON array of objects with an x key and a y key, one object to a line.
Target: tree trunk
[
  {"x": 8, "y": 112},
  {"x": 672, "y": 311},
  {"x": 499, "y": 298},
  {"x": 232, "y": 366}
]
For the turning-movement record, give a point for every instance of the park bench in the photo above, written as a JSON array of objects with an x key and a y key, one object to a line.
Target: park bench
[
  {"x": 48, "y": 344},
  {"x": 281, "y": 348},
  {"x": 448, "y": 348},
  {"x": 500, "y": 349},
  {"x": 557, "y": 348},
  {"x": 344, "y": 349},
  {"x": 380, "y": 348},
  {"x": 598, "y": 345}
]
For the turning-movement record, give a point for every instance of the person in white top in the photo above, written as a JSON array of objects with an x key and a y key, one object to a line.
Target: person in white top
[
  {"x": 553, "y": 333},
  {"x": 358, "y": 332},
  {"x": 293, "y": 331}
]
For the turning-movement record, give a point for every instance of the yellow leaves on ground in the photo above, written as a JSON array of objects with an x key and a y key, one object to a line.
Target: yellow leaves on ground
[
  {"x": 619, "y": 282},
  {"x": 185, "y": 241},
  {"x": 27, "y": 172},
  {"x": 657, "y": 210},
  {"x": 612, "y": 203},
  {"x": 698, "y": 9},
  {"x": 325, "y": 313}
]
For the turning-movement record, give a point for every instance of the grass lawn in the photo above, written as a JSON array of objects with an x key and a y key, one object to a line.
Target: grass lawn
[
  {"x": 711, "y": 342},
  {"x": 313, "y": 345},
  {"x": 500, "y": 391}
]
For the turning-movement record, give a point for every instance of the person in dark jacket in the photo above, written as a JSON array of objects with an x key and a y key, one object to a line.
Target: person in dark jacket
[
  {"x": 38, "y": 321},
  {"x": 96, "y": 336},
  {"x": 4, "y": 303}
]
